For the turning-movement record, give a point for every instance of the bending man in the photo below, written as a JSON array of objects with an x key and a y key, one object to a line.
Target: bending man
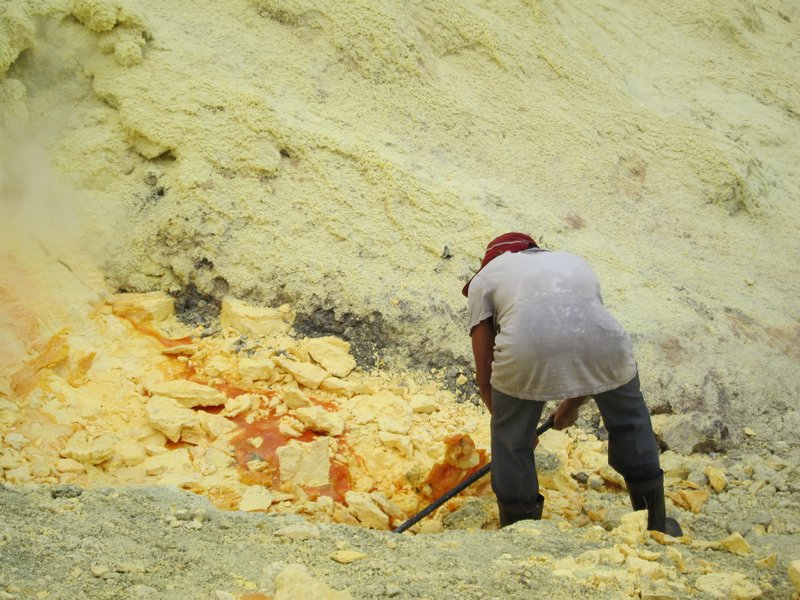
[{"x": 540, "y": 332}]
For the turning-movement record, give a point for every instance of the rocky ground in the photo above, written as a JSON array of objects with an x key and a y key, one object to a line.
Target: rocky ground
[
  {"x": 78, "y": 520},
  {"x": 64, "y": 542}
]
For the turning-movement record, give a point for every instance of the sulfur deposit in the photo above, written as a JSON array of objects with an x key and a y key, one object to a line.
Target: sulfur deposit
[{"x": 233, "y": 353}]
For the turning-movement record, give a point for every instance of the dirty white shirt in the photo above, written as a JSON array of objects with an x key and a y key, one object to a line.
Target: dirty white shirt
[{"x": 554, "y": 338}]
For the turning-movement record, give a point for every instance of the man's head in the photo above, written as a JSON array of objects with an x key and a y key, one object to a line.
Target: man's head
[{"x": 508, "y": 242}]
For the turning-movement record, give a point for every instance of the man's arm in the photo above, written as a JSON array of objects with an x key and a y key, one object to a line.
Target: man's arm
[{"x": 483, "y": 352}]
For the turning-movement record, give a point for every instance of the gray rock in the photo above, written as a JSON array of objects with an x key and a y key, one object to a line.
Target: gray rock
[
  {"x": 742, "y": 526},
  {"x": 697, "y": 476},
  {"x": 473, "y": 514},
  {"x": 696, "y": 432},
  {"x": 66, "y": 491},
  {"x": 547, "y": 461}
]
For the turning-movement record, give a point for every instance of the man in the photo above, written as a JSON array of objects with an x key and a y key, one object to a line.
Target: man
[{"x": 540, "y": 332}]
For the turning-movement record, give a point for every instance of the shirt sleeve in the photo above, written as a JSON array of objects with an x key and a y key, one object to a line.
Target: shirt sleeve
[{"x": 479, "y": 302}]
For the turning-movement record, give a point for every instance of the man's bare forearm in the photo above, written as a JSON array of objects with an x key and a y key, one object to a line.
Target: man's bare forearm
[{"x": 483, "y": 351}]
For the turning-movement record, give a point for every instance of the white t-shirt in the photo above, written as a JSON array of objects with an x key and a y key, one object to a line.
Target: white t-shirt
[{"x": 554, "y": 339}]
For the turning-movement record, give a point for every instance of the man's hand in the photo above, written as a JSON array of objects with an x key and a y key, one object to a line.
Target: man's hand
[{"x": 567, "y": 412}]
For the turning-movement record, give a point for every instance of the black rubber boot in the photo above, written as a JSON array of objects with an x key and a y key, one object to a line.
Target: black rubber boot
[
  {"x": 650, "y": 495},
  {"x": 511, "y": 513}
]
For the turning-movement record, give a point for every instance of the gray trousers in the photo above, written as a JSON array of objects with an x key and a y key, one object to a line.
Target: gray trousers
[{"x": 632, "y": 448}]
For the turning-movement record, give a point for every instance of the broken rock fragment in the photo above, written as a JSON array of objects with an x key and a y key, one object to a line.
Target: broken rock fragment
[
  {"x": 255, "y": 321},
  {"x": 215, "y": 425},
  {"x": 716, "y": 478},
  {"x": 305, "y": 463},
  {"x": 421, "y": 403},
  {"x": 151, "y": 307},
  {"x": 333, "y": 354},
  {"x": 89, "y": 450},
  {"x": 173, "y": 420},
  {"x": 401, "y": 443},
  {"x": 728, "y": 585},
  {"x": 306, "y": 374},
  {"x": 347, "y": 556},
  {"x": 686, "y": 434},
  {"x": 295, "y": 399},
  {"x": 320, "y": 420},
  {"x": 736, "y": 544},
  {"x": 364, "y": 508},
  {"x": 253, "y": 369},
  {"x": 189, "y": 393},
  {"x": 255, "y": 498},
  {"x": 460, "y": 451},
  {"x": 130, "y": 452},
  {"x": 55, "y": 352}
]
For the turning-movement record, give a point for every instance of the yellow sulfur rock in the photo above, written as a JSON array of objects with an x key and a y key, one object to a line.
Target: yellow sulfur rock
[
  {"x": 9, "y": 412},
  {"x": 295, "y": 582},
  {"x": 215, "y": 425},
  {"x": 255, "y": 498},
  {"x": 675, "y": 556},
  {"x": 347, "y": 556},
  {"x": 401, "y": 443},
  {"x": 253, "y": 369},
  {"x": 54, "y": 353},
  {"x": 632, "y": 527},
  {"x": 333, "y": 354},
  {"x": 399, "y": 424},
  {"x": 611, "y": 476},
  {"x": 151, "y": 307},
  {"x": 320, "y": 420},
  {"x": 794, "y": 574},
  {"x": 69, "y": 465},
  {"x": 172, "y": 419},
  {"x": 340, "y": 515},
  {"x": 364, "y": 508},
  {"x": 89, "y": 450},
  {"x": 644, "y": 568},
  {"x": 20, "y": 475},
  {"x": 735, "y": 544},
  {"x": 728, "y": 585},
  {"x": 130, "y": 452},
  {"x": 692, "y": 500},
  {"x": 421, "y": 403},
  {"x": 174, "y": 461},
  {"x": 291, "y": 427},
  {"x": 306, "y": 374},
  {"x": 768, "y": 562},
  {"x": 565, "y": 567},
  {"x": 387, "y": 506},
  {"x": 240, "y": 404},
  {"x": 342, "y": 387},
  {"x": 597, "y": 515},
  {"x": 305, "y": 463},
  {"x": 716, "y": 478},
  {"x": 255, "y": 321},
  {"x": 295, "y": 399},
  {"x": 188, "y": 393},
  {"x": 10, "y": 458}
]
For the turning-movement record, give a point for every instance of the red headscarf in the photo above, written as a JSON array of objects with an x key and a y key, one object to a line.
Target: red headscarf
[{"x": 508, "y": 242}]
